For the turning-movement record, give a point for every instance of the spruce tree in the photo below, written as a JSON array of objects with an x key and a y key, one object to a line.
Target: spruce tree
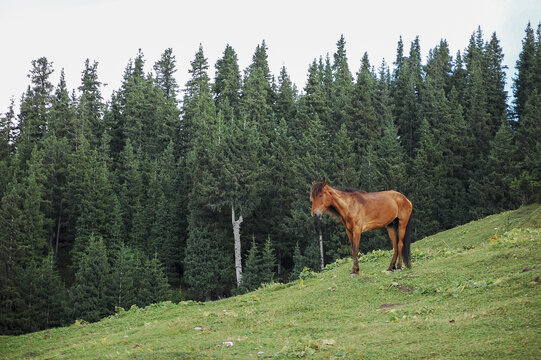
[
  {"x": 91, "y": 296},
  {"x": 285, "y": 98},
  {"x": 35, "y": 108},
  {"x": 362, "y": 122},
  {"x": 165, "y": 70},
  {"x": 342, "y": 87},
  {"x": 268, "y": 262},
  {"x": 90, "y": 107},
  {"x": 227, "y": 83},
  {"x": 49, "y": 309},
  {"x": 525, "y": 66},
  {"x": 153, "y": 286},
  {"x": 204, "y": 272},
  {"x": 252, "y": 275},
  {"x": 299, "y": 263},
  {"x": 404, "y": 94}
]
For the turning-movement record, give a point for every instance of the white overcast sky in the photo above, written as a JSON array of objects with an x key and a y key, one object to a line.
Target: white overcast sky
[{"x": 296, "y": 31}]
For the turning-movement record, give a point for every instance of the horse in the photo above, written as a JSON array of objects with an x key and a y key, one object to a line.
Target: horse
[{"x": 361, "y": 211}]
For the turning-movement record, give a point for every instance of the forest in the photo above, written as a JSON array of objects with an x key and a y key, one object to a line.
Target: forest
[{"x": 201, "y": 191}]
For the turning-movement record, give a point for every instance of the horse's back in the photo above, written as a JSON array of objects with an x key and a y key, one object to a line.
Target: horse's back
[{"x": 389, "y": 203}]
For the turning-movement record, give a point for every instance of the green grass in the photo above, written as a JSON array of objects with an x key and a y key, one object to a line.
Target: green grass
[{"x": 469, "y": 294}]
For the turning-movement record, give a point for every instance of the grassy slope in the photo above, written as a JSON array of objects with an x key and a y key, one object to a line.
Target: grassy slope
[{"x": 465, "y": 296}]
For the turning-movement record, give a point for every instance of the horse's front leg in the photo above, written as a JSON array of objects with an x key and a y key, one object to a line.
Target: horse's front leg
[{"x": 355, "y": 238}]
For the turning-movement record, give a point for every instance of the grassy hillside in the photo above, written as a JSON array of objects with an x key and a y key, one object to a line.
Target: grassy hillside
[{"x": 469, "y": 294}]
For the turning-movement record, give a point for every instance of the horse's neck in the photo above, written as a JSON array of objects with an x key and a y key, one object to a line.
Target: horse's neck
[{"x": 338, "y": 202}]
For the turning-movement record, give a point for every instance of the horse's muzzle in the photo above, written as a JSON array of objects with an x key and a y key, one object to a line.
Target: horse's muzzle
[{"x": 317, "y": 215}]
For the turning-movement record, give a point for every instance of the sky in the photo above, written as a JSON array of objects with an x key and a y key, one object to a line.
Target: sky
[{"x": 111, "y": 32}]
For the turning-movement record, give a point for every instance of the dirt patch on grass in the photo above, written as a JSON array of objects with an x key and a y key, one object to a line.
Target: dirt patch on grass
[
  {"x": 405, "y": 288},
  {"x": 387, "y": 306}
]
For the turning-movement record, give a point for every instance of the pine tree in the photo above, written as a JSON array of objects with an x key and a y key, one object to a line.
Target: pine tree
[
  {"x": 252, "y": 275},
  {"x": 493, "y": 193},
  {"x": 285, "y": 98},
  {"x": 203, "y": 270},
  {"x": 165, "y": 74},
  {"x": 35, "y": 108},
  {"x": 524, "y": 83},
  {"x": 240, "y": 176},
  {"x": 90, "y": 107},
  {"x": 123, "y": 287},
  {"x": 404, "y": 94},
  {"x": 90, "y": 200},
  {"x": 49, "y": 305},
  {"x": 362, "y": 123},
  {"x": 227, "y": 83},
  {"x": 258, "y": 96},
  {"x": 342, "y": 88},
  {"x": 268, "y": 262},
  {"x": 528, "y": 184},
  {"x": 427, "y": 168},
  {"x": 90, "y": 297},
  {"x": 153, "y": 286},
  {"x": 299, "y": 263},
  {"x": 13, "y": 316}
]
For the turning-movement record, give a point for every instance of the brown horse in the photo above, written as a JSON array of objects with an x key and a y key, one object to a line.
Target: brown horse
[{"x": 360, "y": 211}]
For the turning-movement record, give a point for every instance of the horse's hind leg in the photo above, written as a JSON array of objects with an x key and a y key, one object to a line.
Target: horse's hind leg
[{"x": 392, "y": 231}]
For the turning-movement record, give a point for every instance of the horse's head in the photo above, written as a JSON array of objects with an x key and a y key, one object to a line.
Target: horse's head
[{"x": 320, "y": 197}]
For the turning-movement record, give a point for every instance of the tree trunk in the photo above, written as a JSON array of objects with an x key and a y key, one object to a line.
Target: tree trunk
[
  {"x": 58, "y": 230},
  {"x": 321, "y": 248},
  {"x": 236, "y": 235}
]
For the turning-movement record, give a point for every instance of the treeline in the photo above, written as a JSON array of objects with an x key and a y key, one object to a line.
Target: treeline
[{"x": 202, "y": 193}]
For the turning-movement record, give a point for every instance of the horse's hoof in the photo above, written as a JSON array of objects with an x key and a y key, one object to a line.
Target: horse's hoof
[
  {"x": 389, "y": 271},
  {"x": 353, "y": 274},
  {"x": 398, "y": 270}
]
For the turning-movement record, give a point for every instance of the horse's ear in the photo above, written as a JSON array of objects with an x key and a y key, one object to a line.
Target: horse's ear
[{"x": 324, "y": 182}]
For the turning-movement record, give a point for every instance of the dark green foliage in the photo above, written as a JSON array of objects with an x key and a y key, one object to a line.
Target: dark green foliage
[
  {"x": 91, "y": 298},
  {"x": 299, "y": 263},
  {"x": 268, "y": 262},
  {"x": 252, "y": 275},
  {"x": 152, "y": 283},
  {"x": 362, "y": 122},
  {"x": 125, "y": 267}
]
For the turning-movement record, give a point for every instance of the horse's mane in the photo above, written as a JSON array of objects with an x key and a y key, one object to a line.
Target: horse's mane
[
  {"x": 350, "y": 190},
  {"x": 317, "y": 188}
]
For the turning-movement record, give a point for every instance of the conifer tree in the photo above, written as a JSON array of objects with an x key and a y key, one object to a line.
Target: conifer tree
[
  {"x": 50, "y": 297},
  {"x": 153, "y": 286},
  {"x": 90, "y": 107},
  {"x": 342, "y": 88},
  {"x": 258, "y": 96},
  {"x": 362, "y": 123},
  {"x": 493, "y": 193},
  {"x": 285, "y": 98},
  {"x": 227, "y": 83},
  {"x": 404, "y": 95},
  {"x": 165, "y": 74},
  {"x": 524, "y": 83},
  {"x": 252, "y": 275},
  {"x": 299, "y": 263},
  {"x": 203, "y": 266},
  {"x": 91, "y": 296},
  {"x": 427, "y": 168},
  {"x": 123, "y": 275},
  {"x": 268, "y": 262},
  {"x": 35, "y": 107}
]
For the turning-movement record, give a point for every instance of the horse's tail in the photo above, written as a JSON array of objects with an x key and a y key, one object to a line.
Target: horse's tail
[{"x": 406, "y": 253}]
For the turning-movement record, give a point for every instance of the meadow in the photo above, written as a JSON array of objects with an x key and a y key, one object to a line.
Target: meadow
[{"x": 472, "y": 292}]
